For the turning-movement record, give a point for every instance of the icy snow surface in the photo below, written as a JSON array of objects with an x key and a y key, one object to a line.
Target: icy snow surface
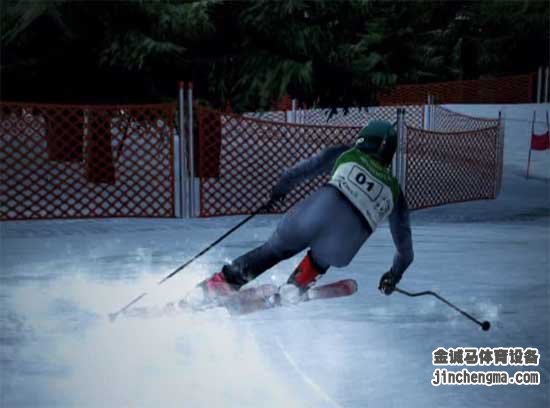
[{"x": 59, "y": 279}]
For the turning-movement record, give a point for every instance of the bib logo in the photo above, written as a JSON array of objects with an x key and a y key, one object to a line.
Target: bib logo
[{"x": 383, "y": 206}]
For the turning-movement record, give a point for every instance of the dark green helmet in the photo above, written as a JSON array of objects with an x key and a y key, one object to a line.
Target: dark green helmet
[{"x": 379, "y": 140}]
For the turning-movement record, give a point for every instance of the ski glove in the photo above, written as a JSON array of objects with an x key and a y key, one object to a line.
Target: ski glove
[
  {"x": 388, "y": 282},
  {"x": 278, "y": 193}
]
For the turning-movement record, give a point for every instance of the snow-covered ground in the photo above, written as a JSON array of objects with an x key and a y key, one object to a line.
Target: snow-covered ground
[{"x": 59, "y": 279}]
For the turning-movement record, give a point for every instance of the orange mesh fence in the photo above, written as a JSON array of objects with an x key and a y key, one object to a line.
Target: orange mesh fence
[
  {"x": 414, "y": 114},
  {"x": 325, "y": 117},
  {"x": 443, "y": 168},
  {"x": 241, "y": 159},
  {"x": 272, "y": 116},
  {"x": 62, "y": 161},
  {"x": 360, "y": 117},
  {"x": 500, "y": 157},
  {"x": 510, "y": 89},
  {"x": 445, "y": 120}
]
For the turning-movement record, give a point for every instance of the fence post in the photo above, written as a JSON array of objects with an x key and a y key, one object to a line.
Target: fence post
[
  {"x": 426, "y": 114},
  {"x": 192, "y": 186},
  {"x": 429, "y": 113},
  {"x": 531, "y": 142},
  {"x": 404, "y": 141},
  {"x": 400, "y": 157},
  {"x": 182, "y": 152},
  {"x": 434, "y": 114},
  {"x": 547, "y": 72},
  {"x": 497, "y": 156},
  {"x": 395, "y": 160},
  {"x": 293, "y": 112},
  {"x": 539, "y": 84}
]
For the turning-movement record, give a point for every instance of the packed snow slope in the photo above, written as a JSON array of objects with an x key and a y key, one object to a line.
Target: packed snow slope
[{"x": 59, "y": 280}]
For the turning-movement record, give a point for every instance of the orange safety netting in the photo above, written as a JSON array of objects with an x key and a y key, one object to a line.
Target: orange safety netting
[
  {"x": 241, "y": 159},
  {"x": 445, "y": 120},
  {"x": 443, "y": 168},
  {"x": 339, "y": 117},
  {"x": 64, "y": 161},
  {"x": 414, "y": 114},
  {"x": 510, "y": 89},
  {"x": 272, "y": 116},
  {"x": 359, "y": 116}
]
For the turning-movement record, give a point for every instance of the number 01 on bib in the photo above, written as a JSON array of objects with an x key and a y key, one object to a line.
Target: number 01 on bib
[{"x": 368, "y": 185}]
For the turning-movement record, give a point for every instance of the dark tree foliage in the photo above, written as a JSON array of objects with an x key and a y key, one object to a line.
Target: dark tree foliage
[{"x": 247, "y": 54}]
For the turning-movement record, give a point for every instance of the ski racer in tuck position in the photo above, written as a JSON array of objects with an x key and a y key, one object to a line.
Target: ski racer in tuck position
[{"x": 332, "y": 223}]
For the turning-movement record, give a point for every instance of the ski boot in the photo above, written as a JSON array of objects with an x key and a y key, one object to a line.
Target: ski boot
[
  {"x": 304, "y": 277},
  {"x": 210, "y": 293}
]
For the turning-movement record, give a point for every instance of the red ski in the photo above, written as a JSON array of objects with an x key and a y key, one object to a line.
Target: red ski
[
  {"x": 250, "y": 300},
  {"x": 260, "y": 297}
]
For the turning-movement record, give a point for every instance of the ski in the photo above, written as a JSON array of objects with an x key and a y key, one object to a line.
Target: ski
[
  {"x": 261, "y": 298},
  {"x": 249, "y": 300}
]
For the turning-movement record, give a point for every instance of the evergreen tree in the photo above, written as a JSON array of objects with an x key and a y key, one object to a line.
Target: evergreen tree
[{"x": 250, "y": 53}]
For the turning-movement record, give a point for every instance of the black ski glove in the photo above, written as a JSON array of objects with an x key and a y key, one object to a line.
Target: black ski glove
[
  {"x": 388, "y": 282},
  {"x": 278, "y": 193}
]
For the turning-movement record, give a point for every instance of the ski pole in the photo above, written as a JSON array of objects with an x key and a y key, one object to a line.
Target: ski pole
[
  {"x": 114, "y": 315},
  {"x": 484, "y": 325}
]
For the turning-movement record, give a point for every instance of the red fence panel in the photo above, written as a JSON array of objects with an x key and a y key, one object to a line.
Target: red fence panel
[
  {"x": 359, "y": 117},
  {"x": 510, "y": 89},
  {"x": 62, "y": 161},
  {"x": 271, "y": 116},
  {"x": 242, "y": 158},
  {"x": 443, "y": 168},
  {"x": 414, "y": 114},
  {"x": 253, "y": 153},
  {"x": 445, "y": 120}
]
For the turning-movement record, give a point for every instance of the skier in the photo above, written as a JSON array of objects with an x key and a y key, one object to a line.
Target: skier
[{"x": 332, "y": 223}]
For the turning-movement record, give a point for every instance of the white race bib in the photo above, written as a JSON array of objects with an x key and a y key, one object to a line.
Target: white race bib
[{"x": 372, "y": 197}]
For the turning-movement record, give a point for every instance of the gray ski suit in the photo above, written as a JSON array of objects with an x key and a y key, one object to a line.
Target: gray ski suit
[{"x": 326, "y": 222}]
